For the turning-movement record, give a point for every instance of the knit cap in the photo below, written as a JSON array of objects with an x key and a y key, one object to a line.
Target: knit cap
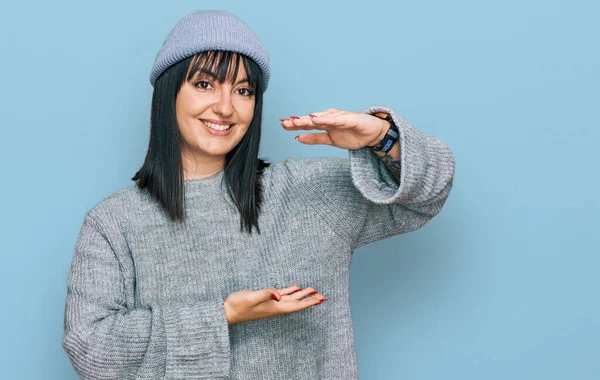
[{"x": 210, "y": 30}]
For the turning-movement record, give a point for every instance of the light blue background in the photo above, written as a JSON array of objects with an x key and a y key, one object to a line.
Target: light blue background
[{"x": 503, "y": 284}]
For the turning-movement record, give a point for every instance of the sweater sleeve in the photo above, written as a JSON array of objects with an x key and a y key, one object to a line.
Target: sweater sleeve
[
  {"x": 361, "y": 200},
  {"x": 107, "y": 338}
]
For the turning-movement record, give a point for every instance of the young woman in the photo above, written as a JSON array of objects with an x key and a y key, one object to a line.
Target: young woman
[{"x": 215, "y": 264}]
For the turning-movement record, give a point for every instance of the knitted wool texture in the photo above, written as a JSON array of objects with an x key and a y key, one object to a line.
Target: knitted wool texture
[
  {"x": 210, "y": 30},
  {"x": 145, "y": 295}
]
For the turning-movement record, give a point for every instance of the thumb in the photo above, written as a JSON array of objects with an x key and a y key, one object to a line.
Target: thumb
[
  {"x": 315, "y": 138},
  {"x": 271, "y": 294}
]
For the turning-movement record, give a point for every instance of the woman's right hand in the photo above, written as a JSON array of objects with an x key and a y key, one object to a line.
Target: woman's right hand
[{"x": 249, "y": 305}]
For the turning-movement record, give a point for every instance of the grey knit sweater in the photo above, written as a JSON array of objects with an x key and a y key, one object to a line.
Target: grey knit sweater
[{"x": 145, "y": 295}]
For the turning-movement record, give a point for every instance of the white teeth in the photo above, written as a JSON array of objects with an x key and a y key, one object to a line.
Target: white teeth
[{"x": 217, "y": 126}]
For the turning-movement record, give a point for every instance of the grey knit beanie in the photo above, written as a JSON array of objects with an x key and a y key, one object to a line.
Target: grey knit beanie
[{"x": 210, "y": 30}]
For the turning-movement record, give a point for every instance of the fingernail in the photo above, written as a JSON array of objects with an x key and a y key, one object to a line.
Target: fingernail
[
  {"x": 315, "y": 292},
  {"x": 296, "y": 138},
  {"x": 311, "y": 115},
  {"x": 274, "y": 297},
  {"x": 294, "y": 117},
  {"x": 282, "y": 119},
  {"x": 323, "y": 300}
]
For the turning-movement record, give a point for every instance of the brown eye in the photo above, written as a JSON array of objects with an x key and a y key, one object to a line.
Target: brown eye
[
  {"x": 201, "y": 84},
  {"x": 248, "y": 92}
]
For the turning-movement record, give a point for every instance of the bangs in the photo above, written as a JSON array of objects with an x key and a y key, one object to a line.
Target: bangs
[{"x": 223, "y": 66}]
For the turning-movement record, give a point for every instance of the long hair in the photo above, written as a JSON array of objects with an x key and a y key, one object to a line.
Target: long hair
[{"x": 162, "y": 171}]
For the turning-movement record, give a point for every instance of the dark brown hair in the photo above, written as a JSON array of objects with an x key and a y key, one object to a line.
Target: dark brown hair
[{"x": 162, "y": 171}]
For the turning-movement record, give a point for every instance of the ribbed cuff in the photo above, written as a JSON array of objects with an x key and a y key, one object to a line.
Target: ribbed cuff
[
  {"x": 197, "y": 341},
  {"x": 373, "y": 179}
]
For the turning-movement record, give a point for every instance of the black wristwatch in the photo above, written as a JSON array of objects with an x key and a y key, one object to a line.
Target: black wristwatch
[{"x": 390, "y": 138}]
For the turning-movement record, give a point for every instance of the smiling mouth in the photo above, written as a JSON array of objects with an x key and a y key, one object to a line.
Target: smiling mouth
[{"x": 216, "y": 127}]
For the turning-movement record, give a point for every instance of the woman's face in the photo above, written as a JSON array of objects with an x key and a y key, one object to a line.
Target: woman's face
[{"x": 203, "y": 100}]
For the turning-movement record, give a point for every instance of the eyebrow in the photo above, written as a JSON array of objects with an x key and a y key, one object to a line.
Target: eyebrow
[{"x": 213, "y": 75}]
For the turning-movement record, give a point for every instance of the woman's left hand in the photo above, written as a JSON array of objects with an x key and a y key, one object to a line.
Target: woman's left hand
[{"x": 343, "y": 129}]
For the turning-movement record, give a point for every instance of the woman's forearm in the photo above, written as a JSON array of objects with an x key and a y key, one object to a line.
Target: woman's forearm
[{"x": 391, "y": 160}]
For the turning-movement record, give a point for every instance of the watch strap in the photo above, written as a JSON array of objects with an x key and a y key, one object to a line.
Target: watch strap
[{"x": 390, "y": 138}]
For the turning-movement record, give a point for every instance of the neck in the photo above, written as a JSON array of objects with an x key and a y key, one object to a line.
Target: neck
[{"x": 201, "y": 167}]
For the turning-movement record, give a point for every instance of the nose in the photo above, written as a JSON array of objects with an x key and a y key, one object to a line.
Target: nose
[{"x": 222, "y": 104}]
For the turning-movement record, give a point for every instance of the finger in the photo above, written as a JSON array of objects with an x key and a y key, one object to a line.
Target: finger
[
  {"x": 340, "y": 119},
  {"x": 297, "y": 305},
  {"x": 291, "y": 123},
  {"x": 326, "y": 121},
  {"x": 303, "y": 293},
  {"x": 311, "y": 301},
  {"x": 301, "y": 123},
  {"x": 289, "y": 290},
  {"x": 328, "y": 111},
  {"x": 315, "y": 139}
]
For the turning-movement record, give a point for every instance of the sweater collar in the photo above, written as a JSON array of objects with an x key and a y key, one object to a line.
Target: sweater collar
[{"x": 195, "y": 186}]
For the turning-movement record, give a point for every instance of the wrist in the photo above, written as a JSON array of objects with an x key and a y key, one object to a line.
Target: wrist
[
  {"x": 229, "y": 313},
  {"x": 385, "y": 126},
  {"x": 389, "y": 133}
]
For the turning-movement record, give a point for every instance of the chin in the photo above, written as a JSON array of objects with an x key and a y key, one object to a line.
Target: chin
[{"x": 216, "y": 151}]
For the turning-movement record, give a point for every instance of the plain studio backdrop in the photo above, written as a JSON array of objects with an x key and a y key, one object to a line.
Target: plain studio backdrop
[{"x": 503, "y": 284}]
